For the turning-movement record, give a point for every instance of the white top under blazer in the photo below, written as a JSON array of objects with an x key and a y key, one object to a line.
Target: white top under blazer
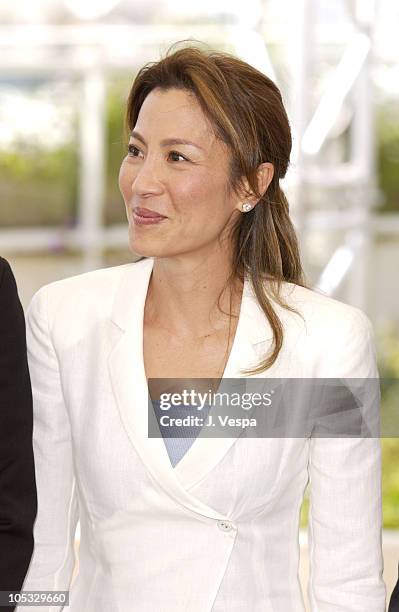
[{"x": 218, "y": 532}]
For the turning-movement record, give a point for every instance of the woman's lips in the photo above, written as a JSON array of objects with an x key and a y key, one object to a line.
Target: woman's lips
[
  {"x": 146, "y": 212},
  {"x": 145, "y": 216}
]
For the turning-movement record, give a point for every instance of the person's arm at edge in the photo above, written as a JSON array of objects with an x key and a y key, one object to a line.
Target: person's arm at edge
[
  {"x": 18, "y": 502},
  {"x": 52, "y": 563},
  {"x": 394, "y": 600}
]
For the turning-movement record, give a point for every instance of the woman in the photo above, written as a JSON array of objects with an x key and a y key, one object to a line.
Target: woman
[
  {"x": 218, "y": 293},
  {"x": 17, "y": 472}
]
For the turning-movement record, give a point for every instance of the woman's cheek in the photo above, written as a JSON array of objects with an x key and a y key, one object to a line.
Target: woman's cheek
[
  {"x": 125, "y": 180},
  {"x": 196, "y": 192},
  {"x": 121, "y": 181}
]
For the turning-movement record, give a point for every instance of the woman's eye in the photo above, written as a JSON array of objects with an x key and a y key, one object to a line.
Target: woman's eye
[
  {"x": 178, "y": 155},
  {"x": 132, "y": 150}
]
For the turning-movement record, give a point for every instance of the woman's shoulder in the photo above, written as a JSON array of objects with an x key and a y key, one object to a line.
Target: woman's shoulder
[
  {"x": 329, "y": 337},
  {"x": 320, "y": 312},
  {"x": 93, "y": 280},
  {"x": 87, "y": 290}
]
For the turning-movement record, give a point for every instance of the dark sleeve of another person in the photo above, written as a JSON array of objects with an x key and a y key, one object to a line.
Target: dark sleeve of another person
[
  {"x": 394, "y": 602},
  {"x": 18, "y": 502}
]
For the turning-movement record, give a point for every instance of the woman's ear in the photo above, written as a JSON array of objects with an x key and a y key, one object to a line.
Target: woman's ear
[{"x": 265, "y": 175}]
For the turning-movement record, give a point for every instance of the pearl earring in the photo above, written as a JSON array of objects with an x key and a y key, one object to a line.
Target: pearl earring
[{"x": 246, "y": 207}]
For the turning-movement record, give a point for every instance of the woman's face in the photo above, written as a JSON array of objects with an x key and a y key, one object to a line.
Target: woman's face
[{"x": 186, "y": 182}]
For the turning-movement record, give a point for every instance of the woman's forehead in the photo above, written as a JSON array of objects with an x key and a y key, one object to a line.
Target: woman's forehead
[
  {"x": 171, "y": 116},
  {"x": 171, "y": 102}
]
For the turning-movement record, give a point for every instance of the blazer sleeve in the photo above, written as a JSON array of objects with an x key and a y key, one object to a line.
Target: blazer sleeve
[
  {"x": 17, "y": 475},
  {"x": 345, "y": 515},
  {"x": 53, "y": 558}
]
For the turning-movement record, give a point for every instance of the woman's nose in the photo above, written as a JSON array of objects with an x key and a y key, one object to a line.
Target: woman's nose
[{"x": 147, "y": 179}]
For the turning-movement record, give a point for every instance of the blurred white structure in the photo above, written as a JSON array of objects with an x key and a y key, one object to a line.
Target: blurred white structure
[{"x": 350, "y": 77}]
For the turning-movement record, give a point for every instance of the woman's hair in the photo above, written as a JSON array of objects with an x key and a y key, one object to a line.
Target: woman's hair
[{"x": 246, "y": 111}]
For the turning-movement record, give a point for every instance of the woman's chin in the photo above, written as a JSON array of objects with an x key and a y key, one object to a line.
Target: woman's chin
[
  {"x": 154, "y": 246},
  {"x": 140, "y": 251},
  {"x": 145, "y": 248}
]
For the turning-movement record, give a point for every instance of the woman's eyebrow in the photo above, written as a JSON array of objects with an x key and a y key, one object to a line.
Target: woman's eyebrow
[{"x": 167, "y": 141}]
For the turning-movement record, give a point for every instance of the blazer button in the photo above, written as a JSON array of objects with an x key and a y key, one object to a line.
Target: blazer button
[{"x": 225, "y": 525}]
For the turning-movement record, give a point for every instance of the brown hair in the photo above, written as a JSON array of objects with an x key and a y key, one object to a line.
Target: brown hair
[{"x": 246, "y": 110}]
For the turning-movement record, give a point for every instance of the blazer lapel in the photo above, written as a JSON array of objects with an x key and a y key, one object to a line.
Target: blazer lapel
[
  {"x": 128, "y": 379},
  {"x": 252, "y": 338}
]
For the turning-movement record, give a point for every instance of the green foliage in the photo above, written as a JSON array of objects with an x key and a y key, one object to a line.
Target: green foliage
[
  {"x": 390, "y": 482},
  {"x": 388, "y": 362},
  {"x": 388, "y": 156},
  {"x": 38, "y": 187},
  {"x": 114, "y": 211}
]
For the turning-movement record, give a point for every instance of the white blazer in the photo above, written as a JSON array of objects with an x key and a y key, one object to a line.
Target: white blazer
[{"x": 219, "y": 532}]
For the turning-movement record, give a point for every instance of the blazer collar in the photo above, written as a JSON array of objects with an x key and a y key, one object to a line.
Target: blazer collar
[
  {"x": 129, "y": 383},
  {"x": 131, "y": 294}
]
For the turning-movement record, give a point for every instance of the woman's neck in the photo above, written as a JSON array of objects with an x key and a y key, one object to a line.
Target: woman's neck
[{"x": 182, "y": 296}]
